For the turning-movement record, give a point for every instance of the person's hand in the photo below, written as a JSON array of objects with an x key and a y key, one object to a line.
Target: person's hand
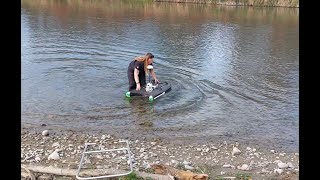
[{"x": 138, "y": 87}]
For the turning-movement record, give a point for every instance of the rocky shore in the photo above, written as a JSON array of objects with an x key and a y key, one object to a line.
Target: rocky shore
[{"x": 219, "y": 160}]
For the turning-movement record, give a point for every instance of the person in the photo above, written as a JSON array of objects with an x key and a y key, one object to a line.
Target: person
[{"x": 137, "y": 71}]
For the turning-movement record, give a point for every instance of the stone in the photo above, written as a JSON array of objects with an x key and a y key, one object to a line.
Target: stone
[
  {"x": 54, "y": 156},
  {"x": 235, "y": 151},
  {"x": 188, "y": 167},
  {"x": 278, "y": 171},
  {"x": 282, "y": 165},
  {"x": 45, "y": 133},
  {"x": 244, "y": 167}
]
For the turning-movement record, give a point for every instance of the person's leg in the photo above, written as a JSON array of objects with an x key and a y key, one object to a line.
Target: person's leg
[{"x": 132, "y": 83}]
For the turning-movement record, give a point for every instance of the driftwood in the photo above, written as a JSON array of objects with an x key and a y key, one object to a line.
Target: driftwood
[
  {"x": 83, "y": 173},
  {"x": 178, "y": 174},
  {"x": 28, "y": 173}
]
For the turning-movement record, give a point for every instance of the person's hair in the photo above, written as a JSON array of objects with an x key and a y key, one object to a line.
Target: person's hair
[{"x": 144, "y": 60}]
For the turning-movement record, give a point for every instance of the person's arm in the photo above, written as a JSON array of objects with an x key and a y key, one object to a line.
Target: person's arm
[
  {"x": 154, "y": 76},
  {"x": 136, "y": 79}
]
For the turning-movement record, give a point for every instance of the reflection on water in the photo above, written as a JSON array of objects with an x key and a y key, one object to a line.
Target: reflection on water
[{"x": 234, "y": 71}]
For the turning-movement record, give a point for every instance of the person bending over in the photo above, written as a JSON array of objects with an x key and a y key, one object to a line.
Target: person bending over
[{"x": 137, "y": 71}]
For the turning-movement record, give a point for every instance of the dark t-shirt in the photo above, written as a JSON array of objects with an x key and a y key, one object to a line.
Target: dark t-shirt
[{"x": 142, "y": 74}]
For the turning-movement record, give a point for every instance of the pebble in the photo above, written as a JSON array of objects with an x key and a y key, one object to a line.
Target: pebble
[
  {"x": 244, "y": 167},
  {"x": 278, "y": 171},
  {"x": 142, "y": 150},
  {"x": 290, "y": 165},
  {"x": 45, "y": 133},
  {"x": 54, "y": 156},
  {"x": 282, "y": 165},
  {"x": 188, "y": 167},
  {"x": 37, "y": 159},
  {"x": 56, "y": 144},
  {"x": 186, "y": 163},
  {"x": 235, "y": 151},
  {"x": 174, "y": 161}
]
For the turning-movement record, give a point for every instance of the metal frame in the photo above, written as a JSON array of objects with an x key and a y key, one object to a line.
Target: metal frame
[{"x": 108, "y": 150}]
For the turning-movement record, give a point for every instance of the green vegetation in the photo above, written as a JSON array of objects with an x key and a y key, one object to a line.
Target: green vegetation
[
  {"x": 243, "y": 176},
  {"x": 131, "y": 176}
]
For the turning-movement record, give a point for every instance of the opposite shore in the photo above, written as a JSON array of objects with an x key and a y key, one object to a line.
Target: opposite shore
[{"x": 263, "y": 3}]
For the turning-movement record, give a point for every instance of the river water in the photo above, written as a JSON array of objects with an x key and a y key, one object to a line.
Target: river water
[{"x": 234, "y": 71}]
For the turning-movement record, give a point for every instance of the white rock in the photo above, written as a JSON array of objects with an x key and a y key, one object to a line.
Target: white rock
[
  {"x": 277, "y": 161},
  {"x": 54, "y": 156},
  {"x": 56, "y": 144},
  {"x": 199, "y": 149},
  {"x": 188, "y": 167},
  {"x": 282, "y": 165},
  {"x": 206, "y": 150},
  {"x": 37, "y": 159},
  {"x": 142, "y": 150},
  {"x": 103, "y": 137},
  {"x": 272, "y": 151},
  {"x": 235, "y": 151},
  {"x": 214, "y": 148},
  {"x": 249, "y": 149},
  {"x": 146, "y": 165},
  {"x": 290, "y": 165},
  {"x": 174, "y": 161},
  {"x": 264, "y": 171},
  {"x": 226, "y": 166},
  {"x": 222, "y": 173},
  {"x": 186, "y": 162},
  {"x": 153, "y": 143},
  {"x": 59, "y": 150},
  {"x": 244, "y": 167},
  {"x": 278, "y": 171},
  {"x": 253, "y": 150},
  {"x": 45, "y": 133}
]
